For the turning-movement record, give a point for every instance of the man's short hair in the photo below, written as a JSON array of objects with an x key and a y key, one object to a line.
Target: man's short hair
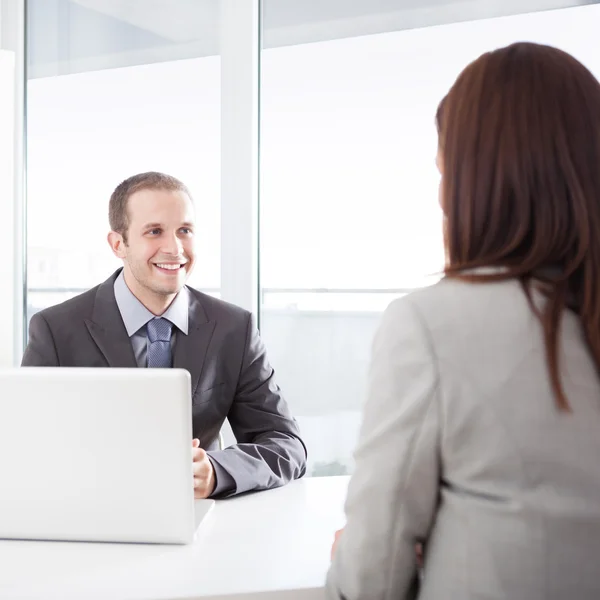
[{"x": 118, "y": 217}]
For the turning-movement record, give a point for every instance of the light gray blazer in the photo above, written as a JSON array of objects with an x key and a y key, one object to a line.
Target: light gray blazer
[
  {"x": 231, "y": 378},
  {"x": 462, "y": 446}
]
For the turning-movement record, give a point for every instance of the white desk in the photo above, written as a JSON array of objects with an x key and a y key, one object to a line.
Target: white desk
[{"x": 272, "y": 544}]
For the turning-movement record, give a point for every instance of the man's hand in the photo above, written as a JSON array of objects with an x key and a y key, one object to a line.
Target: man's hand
[{"x": 204, "y": 474}]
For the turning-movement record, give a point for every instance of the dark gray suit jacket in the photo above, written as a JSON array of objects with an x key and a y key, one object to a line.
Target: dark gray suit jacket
[{"x": 231, "y": 378}]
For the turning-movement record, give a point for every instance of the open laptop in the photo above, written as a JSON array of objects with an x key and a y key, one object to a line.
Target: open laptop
[{"x": 97, "y": 455}]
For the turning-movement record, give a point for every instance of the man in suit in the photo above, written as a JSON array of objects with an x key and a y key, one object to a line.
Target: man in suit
[{"x": 145, "y": 316}]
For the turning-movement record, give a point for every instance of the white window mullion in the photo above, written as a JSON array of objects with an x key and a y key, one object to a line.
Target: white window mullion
[
  {"x": 12, "y": 179},
  {"x": 240, "y": 39}
]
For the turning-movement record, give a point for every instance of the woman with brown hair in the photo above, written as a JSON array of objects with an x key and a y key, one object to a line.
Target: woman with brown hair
[{"x": 481, "y": 433}]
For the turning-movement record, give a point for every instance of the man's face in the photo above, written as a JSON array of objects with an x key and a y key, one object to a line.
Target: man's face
[{"x": 158, "y": 256}]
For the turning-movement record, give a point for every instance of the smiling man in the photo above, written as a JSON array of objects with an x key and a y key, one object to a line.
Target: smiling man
[{"x": 145, "y": 316}]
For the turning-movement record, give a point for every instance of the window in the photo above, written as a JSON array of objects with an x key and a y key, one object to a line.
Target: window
[
  {"x": 349, "y": 214},
  {"x": 349, "y": 188},
  {"x": 113, "y": 91}
]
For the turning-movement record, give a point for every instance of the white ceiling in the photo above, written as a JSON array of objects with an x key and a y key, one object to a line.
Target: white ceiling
[
  {"x": 181, "y": 21},
  {"x": 176, "y": 20},
  {"x": 87, "y": 39}
]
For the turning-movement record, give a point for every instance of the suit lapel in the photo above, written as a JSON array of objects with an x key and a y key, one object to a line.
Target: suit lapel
[
  {"x": 190, "y": 349},
  {"x": 107, "y": 328}
]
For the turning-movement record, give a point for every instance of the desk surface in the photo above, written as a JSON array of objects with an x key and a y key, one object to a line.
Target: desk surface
[{"x": 272, "y": 544}]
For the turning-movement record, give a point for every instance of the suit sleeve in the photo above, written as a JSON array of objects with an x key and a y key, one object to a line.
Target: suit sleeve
[
  {"x": 41, "y": 349},
  {"x": 269, "y": 452},
  {"x": 393, "y": 492}
]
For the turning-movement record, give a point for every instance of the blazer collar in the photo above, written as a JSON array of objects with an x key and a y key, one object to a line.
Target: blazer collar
[
  {"x": 107, "y": 328},
  {"x": 110, "y": 335},
  {"x": 191, "y": 349}
]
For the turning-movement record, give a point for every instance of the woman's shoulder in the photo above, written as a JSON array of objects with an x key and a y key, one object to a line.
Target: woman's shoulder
[
  {"x": 457, "y": 293},
  {"x": 453, "y": 304}
]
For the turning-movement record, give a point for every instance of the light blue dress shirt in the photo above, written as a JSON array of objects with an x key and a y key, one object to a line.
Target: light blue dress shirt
[{"x": 136, "y": 316}]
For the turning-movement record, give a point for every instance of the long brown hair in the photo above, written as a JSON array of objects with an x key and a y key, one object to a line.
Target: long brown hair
[{"x": 519, "y": 135}]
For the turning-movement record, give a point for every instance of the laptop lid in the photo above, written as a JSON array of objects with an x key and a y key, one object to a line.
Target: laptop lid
[{"x": 96, "y": 455}]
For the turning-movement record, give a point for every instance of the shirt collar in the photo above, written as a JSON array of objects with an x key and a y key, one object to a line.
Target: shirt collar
[{"x": 135, "y": 315}]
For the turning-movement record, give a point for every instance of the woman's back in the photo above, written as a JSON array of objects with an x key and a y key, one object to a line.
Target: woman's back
[{"x": 519, "y": 512}]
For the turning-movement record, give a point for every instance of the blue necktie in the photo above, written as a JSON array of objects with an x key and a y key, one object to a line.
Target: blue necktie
[{"x": 159, "y": 349}]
